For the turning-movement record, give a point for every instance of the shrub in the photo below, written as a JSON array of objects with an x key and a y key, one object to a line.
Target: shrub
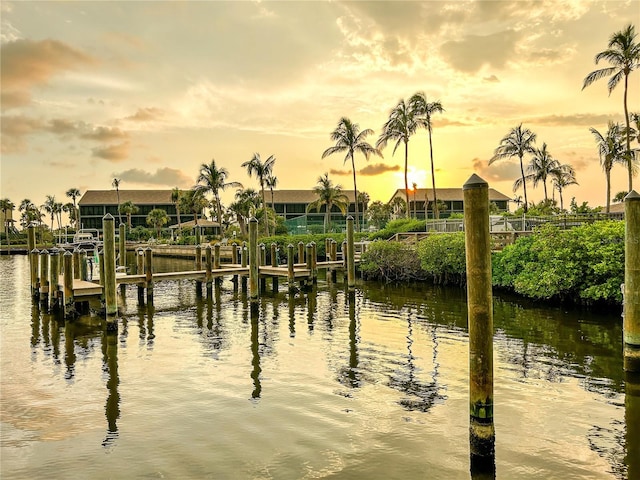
[
  {"x": 400, "y": 225},
  {"x": 391, "y": 262},
  {"x": 442, "y": 257}
]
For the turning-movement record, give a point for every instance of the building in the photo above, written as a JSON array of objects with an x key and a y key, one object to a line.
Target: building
[
  {"x": 451, "y": 198},
  {"x": 95, "y": 204},
  {"x": 293, "y": 204}
]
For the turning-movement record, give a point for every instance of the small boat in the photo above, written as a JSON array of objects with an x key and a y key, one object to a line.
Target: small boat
[{"x": 85, "y": 239}]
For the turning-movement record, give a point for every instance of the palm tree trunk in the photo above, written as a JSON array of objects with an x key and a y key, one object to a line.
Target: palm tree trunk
[
  {"x": 560, "y": 193},
  {"x": 355, "y": 191},
  {"x": 406, "y": 179},
  {"x": 626, "y": 117},
  {"x": 524, "y": 186},
  {"x": 436, "y": 211},
  {"x": 264, "y": 208},
  {"x": 546, "y": 197},
  {"x": 608, "y": 175}
]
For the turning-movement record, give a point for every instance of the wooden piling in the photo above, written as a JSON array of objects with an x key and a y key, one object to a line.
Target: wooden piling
[
  {"x": 216, "y": 263},
  {"x": 83, "y": 265},
  {"x": 208, "y": 270},
  {"x": 333, "y": 257},
  {"x": 245, "y": 262},
  {"x": 76, "y": 263},
  {"x": 34, "y": 260},
  {"x": 148, "y": 271},
  {"x": 234, "y": 261},
  {"x": 54, "y": 275},
  {"x": 140, "y": 271},
  {"x": 122, "y": 249},
  {"x": 301, "y": 249},
  {"x": 274, "y": 263},
  {"x": 253, "y": 260},
  {"x": 631, "y": 322},
  {"x": 480, "y": 313},
  {"x": 69, "y": 306},
  {"x": 198, "y": 268},
  {"x": 290, "y": 263},
  {"x": 109, "y": 265},
  {"x": 262, "y": 250},
  {"x": 314, "y": 262},
  {"x": 102, "y": 282},
  {"x": 198, "y": 239},
  {"x": 351, "y": 263},
  {"x": 343, "y": 250},
  {"x": 44, "y": 277}
]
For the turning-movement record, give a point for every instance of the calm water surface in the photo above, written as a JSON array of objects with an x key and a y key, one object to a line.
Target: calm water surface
[{"x": 314, "y": 387}]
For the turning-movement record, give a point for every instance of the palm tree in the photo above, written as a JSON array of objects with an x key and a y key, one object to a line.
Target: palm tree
[
  {"x": 6, "y": 205},
  {"x": 194, "y": 201},
  {"x": 262, "y": 170},
  {"x": 364, "y": 199},
  {"x": 561, "y": 177},
  {"x": 156, "y": 219},
  {"x": 73, "y": 193},
  {"x": 328, "y": 195},
  {"x": 272, "y": 182},
  {"x": 515, "y": 144},
  {"x": 402, "y": 123},
  {"x": 246, "y": 203},
  {"x": 398, "y": 206},
  {"x": 213, "y": 180},
  {"x": 71, "y": 210},
  {"x": 619, "y": 197},
  {"x": 58, "y": 212},
  {"x": 610, "y": 151},
  {"x": 540, "y": 167},
  {"x": 128, "y": 208},
  {"x": 49, "y": 206},
  {"x": 116, "y": 184},
  {"x": 424, "y": 110},
  {"x": 623, "y": 53},
  {"x": 349, "y": 138},
  {"x": 176, "y": 193}
]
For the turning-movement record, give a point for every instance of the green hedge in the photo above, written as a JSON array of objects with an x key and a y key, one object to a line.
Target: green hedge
[
  {"x": 442, "y": 257},
  {"x": 391, "y": 262}
]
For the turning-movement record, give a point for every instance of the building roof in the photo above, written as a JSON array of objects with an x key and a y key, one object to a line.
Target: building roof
[
  {"x": 192, "y": 223},
  {"x": 614, "y": 208},
  {"x": 299, "y": 196},
  {"x": 138, "y": 197},
  {"x": 445, "y": 194}
]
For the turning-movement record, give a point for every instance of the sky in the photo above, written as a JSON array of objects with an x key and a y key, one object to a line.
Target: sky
[{"x": 148, "y": 91}]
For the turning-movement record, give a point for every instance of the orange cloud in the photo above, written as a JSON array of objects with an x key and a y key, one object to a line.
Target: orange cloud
[
  {"x": 113, "y": 153},
  {"x": 146, "y": 114}
]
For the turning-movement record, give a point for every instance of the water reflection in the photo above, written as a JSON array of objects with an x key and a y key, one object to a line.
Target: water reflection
[
  {"x": 632, "y": 420},
  {"x": 255, "y": 359},
  {"x": 112, "y": 406}
]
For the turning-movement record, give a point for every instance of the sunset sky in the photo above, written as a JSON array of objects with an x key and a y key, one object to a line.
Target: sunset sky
[{"x": 148, "y": 91}]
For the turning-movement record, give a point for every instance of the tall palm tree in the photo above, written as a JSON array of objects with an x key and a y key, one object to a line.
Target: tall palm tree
[
  {"x": 49, "y": 206},
  {"x": 399, "y": 127},
  {"x": 262, "y": 170},
  {"x": 272, "y": 182},
  {"x": 561, "y": 178},
  {"x": 424, "y": 110},
  {"x": 350, "y": 139},
  {"x": 541, "y": 166},
  {"x": 58, "y": 212},
  {"x": 116, "y": 184},
  {"x": 610, "y": 151},
  {"x": 70, "y": 209},
  {"x": 128, "y": 208},
  {"x": 515, "y": 144},
  {"x": 176, "y": 193},
  {"x": 214, "y": 180},
  {"x": 6, "y": 205},
  {"x": 73, "y": 193},
  {"x": 623, "y": 53},
  {"x": 156, "y": 219},
  {"x": 328, "y": 196},
  {"x": 246, "y": 203}
]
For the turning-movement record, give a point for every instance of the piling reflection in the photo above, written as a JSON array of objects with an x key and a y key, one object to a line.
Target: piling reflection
[
  {"x": 255, "y": 358},
  {"x": 112, "y": 406},
  {"x": 69, "y": 349},
  {"x": 632, "y": 420}
]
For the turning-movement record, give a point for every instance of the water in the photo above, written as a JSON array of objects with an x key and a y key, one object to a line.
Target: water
[{"x": 315, "y": 387}]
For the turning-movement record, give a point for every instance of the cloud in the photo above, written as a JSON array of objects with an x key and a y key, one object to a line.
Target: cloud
[
  {"x": 378, "y": 169},
  {"x": 146, "y": 114},
  {"x": 333, "y": 171},
  {"x": 112, "y": 153},
  {"x": 14, "y": 130},
  {"x": 499, "y": 171},
  {"x": 474, "y": 51},
  {"x": 104, "y": 134},
  {"x": 491, "y": 79},
  {"x": 27, "y": 63},
  {"x": 170, "y": 177},
  {"x": 577, "y": 119}
]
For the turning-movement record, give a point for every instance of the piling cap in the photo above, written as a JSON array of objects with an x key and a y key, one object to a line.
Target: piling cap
[
  {"x": 474, "y": 182},
  {"x": 44, "y": 252},
  {"x": 253, "y": 219},
  {"x": 109, "y": 217},
  {"x": 632, "y": 196}
]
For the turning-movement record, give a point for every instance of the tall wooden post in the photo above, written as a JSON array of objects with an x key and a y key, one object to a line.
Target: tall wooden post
[
  {"x": 109, "y": 265},
  {"x": 234, "y": 261},
  {"x": 253, "y": 261},
  {"x": 631, "y": 322},
  {"x": 44, "y": 277},
  {"x": 245, "y": 262},
  {"x": 54, "y": 275},
  {"x": 198, "y": 268},
  {"x": 274, "y": 263},
  {"x": 301, "y": 252},
  {"x": 216, "y": 263},
  {"x": 314, "y": 262},
  {"x": 262, "y": 250},
  {"x": 290, "y": 274},
  {"x": 309, "y": 258},
  {"x": 343, "y": 250},
  {"x": 102, "y": 278},
  {"x": 68, "y": 285},
  {"x": 208, "y": 269},
  {"x": 34, "y": 260},
  {"x": 76, "y": 263},
  {"x": 122, "y": 248},
  {"x": 198, "y": 239},
  {"x": 83, "y": 265},
  {"x": 333, "y": 258},
  {"x": 480, "y": 312},
  {"x": 140, "y": 271},
  {"x": 351, "y": 263},
  {"x": 148, "y": 272}
]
